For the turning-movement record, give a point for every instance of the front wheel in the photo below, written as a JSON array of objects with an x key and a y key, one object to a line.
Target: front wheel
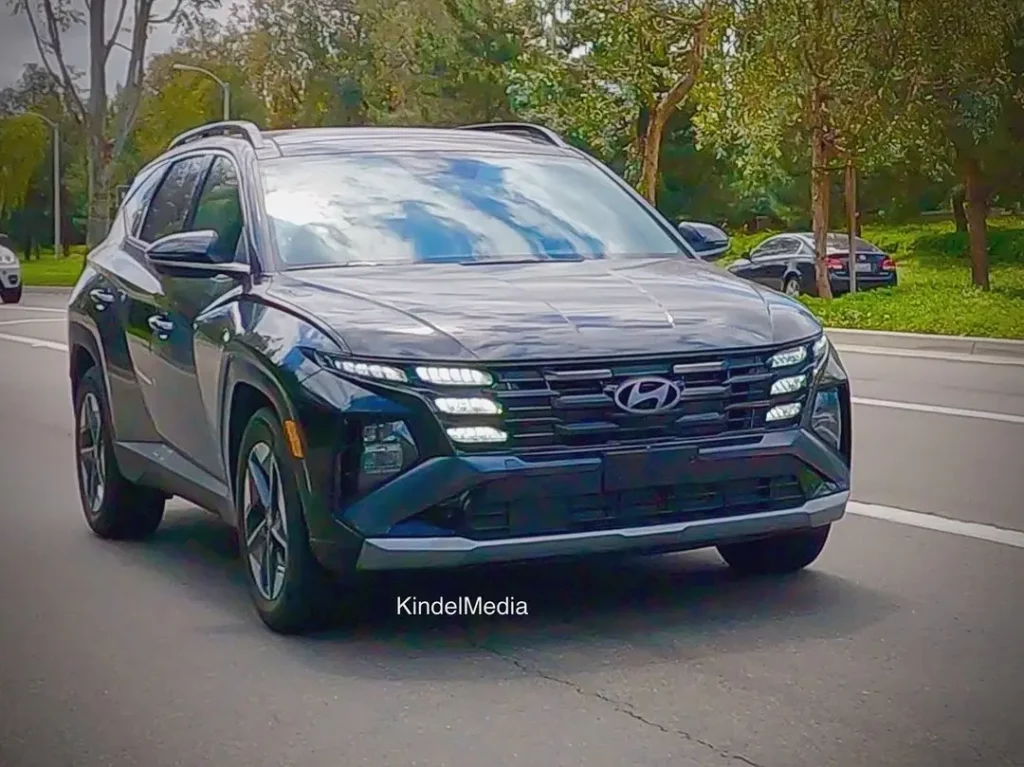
[
  {"x": 291, "y": 591},
  {"x": 778, "y": 554},
  {"x": 10, "y": 295}
]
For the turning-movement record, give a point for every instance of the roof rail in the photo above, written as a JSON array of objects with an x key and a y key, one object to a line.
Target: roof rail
[
  {"x": 526, "y": 130},
  {"x": 236, "y": 128}
]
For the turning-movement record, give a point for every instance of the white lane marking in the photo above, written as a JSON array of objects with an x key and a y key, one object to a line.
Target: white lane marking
[
  {"x": 29, "y": 322},
  {"x": 934, "y": 522},
  {"x": 37, "y": 343},
  {"x": 939, "y": 410},
  {"x": 23, "y": 308},
  {"x": 882, "y": 351}
]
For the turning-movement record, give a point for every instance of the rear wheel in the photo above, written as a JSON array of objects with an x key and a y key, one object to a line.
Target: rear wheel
[
  {"x": 10, "y": 295},
  {"x": 791, "y": 287},
  {"x": 114, "y": 507},
  {"x": 291, "y": 591},
  {"x": 778, "y": 554}
]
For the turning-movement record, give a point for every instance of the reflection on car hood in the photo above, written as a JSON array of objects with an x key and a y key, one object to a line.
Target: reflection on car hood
[{"x": 543, "y": 310}]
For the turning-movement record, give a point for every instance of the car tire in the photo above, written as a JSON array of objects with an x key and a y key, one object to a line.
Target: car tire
[
  {"x": 10, "y": 295},
  {"x": 791, "y": 287},
  {"x": 114, "y": 507},
  {"x": 291, "y": 591},
  {"x": 779, "y": 554}
]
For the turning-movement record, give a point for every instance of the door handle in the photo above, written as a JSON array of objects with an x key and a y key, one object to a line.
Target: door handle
[
  {"x": 161, "y": 326},
  {"x": 101, "y": 298}
]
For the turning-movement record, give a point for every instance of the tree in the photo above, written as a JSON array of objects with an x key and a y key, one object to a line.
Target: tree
[
  {"x": 51, "y": 21},
  {"x": 806, "y": 77},
  {"x": 617, "y": 70},
  {"x": 959, "y": 87}
]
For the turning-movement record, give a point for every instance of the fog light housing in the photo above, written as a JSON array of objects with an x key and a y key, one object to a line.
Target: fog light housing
[
  {"x": 387, "y": 450},
  {"x": 827, "y": 418},
  {"x": 783, "y": 412}
]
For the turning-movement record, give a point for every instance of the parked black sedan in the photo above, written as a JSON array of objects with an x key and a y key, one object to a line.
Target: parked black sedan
[{"x": 786, "y": 262}]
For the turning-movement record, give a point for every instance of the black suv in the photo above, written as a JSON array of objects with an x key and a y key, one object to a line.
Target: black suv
[{"x": 376, "y": 348}]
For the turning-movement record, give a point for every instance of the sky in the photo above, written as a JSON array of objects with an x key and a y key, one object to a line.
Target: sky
[{"x": 17, "y": 46}]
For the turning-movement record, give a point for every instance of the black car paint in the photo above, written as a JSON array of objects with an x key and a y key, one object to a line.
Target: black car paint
[
  {"x": 797, "y": 263},
  {"x": 240, "y": 336}
]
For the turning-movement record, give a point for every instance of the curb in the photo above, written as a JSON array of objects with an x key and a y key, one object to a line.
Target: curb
[
  {"x": 967, "y": 345},
  {"x": 46, "y": 290}
]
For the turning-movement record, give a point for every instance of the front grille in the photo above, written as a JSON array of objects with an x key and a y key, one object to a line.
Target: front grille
[
  {"x": 571, "y": 405},
  {"x": 484, "y": 518}
]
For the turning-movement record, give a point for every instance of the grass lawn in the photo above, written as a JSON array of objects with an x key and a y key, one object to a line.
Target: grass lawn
[
  {"x": 47, "y": 271},
  {"x": 934, "y": 294}
]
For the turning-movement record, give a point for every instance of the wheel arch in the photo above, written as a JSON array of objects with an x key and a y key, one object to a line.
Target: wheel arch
[
  {"x": 83, "y": 354},
  {"x": 249, "y": 386}
]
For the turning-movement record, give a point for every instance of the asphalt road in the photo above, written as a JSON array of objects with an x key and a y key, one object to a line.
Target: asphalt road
[{"x": 901, "y": 646}]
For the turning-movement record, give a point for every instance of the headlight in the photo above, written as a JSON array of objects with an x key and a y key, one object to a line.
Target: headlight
[
  {"x": 7, "y": 259},
  {"x": 820, "y": 347},
  {"x": 788, "y": 358},
  {"x": 784, "y": 412},
  {"x": 467, "y": 406},
  {"x": 789, "y": 385},
  {"x": 454, "y": 376},
  {"x": 827, "y": 418},
  {"x": 476, "y": 434},
  {"x": 371, "y": 370}
]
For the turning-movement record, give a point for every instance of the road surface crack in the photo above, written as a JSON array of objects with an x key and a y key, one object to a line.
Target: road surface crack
[{"x": 619, "y": 706}]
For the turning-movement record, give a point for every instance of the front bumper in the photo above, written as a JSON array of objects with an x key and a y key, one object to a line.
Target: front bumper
[
  {"x": 409, "y": 553},
  {"x": 10, "y": 277},
  {"x": 542, "y": 500}
]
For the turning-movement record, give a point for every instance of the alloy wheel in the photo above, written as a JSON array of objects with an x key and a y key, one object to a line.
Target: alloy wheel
[
  {"x": 265, "y": 525},
  {"x": 92, "y": 460}
]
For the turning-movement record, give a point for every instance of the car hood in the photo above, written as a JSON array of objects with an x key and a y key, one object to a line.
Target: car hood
[{"x": 542, "y": 310}]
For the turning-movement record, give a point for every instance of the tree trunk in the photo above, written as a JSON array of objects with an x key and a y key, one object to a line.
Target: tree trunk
[
  {"x": 819, "y": 198},
  {"x": 851, "y": 222},
  {"x": 652, "y": 154},
  {"x": 956, "y": 200},
  {"x": 977, "y": 224},
  {"x": 96, "y": 123}
]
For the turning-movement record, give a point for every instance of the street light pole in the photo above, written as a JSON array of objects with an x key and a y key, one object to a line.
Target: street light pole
[
  {"x": 224, "y": 87},
  {"x": 55, "y": 127}
]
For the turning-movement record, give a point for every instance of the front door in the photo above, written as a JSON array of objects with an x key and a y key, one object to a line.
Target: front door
[
  {"x": 188, "y": 426},
  {"x": 147, "y": 304}
]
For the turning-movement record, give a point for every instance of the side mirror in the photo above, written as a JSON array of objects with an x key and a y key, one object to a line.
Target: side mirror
[
  {"x": 709, "y": 243},
  {"x": 189, "y": 252}
]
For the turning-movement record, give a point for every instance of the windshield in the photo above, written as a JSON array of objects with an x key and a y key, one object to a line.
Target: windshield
[{"x": 443, "y": 207}]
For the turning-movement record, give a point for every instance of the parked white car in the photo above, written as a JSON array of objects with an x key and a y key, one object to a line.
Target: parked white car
[{"x": 10, "y": 273}]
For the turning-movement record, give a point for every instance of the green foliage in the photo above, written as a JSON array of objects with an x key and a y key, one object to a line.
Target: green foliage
[{"x": 23, "y": 147}]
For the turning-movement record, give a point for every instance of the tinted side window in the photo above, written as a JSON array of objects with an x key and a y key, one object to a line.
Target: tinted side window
[
  {"x": 169, "y": 211},
  {"x": 766, "y": 248},
  {"x": 138, "y": 197},
  {"x": 220, "y": 209}
]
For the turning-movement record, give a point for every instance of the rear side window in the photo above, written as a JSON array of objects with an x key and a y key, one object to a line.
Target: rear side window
[
  {"x": 138, "y": 197},
  {"x": 171, "y": 204}
]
